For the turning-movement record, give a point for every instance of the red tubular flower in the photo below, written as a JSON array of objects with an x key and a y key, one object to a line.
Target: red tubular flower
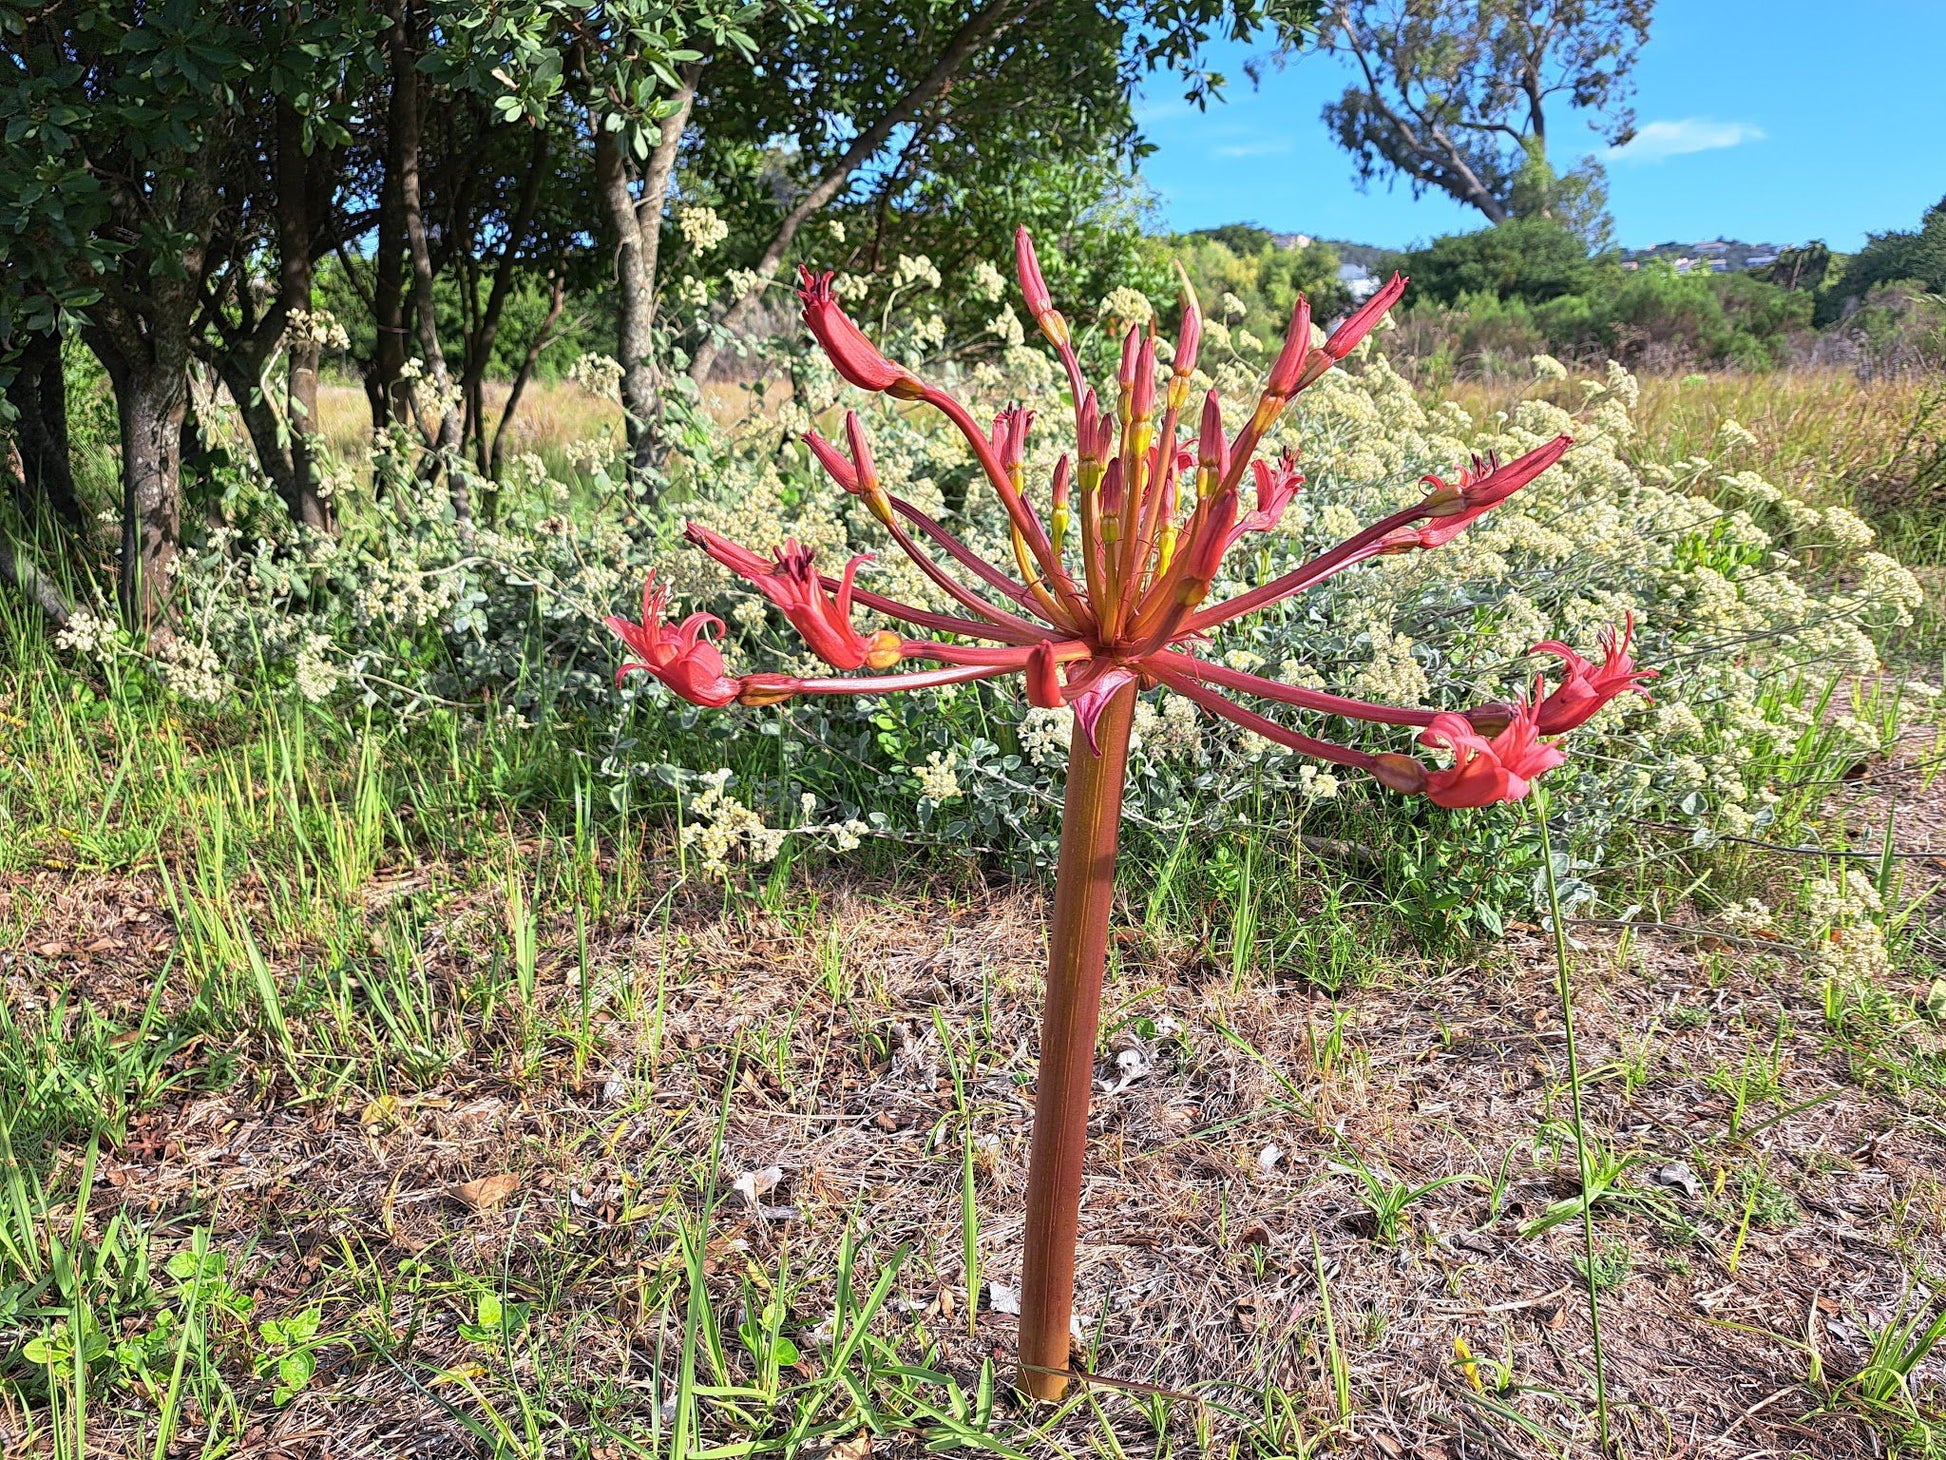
[
  {"x": 1584, "y": 687},
  {"x": 1212, "y": 444},
  {"x": 1288, "y": 369},
  {"x": 1485, "y": 771},
  {"x": 1039, "y": 304},
  {"x": 856, "y": 357},
  {"x": 861, "y": 455},
  {"x": 1189, "y": 343},
  {"x": 1142, "y": 399},
  {"x": 790, "y": 582},
  {"x": 676, "y": 654},
  {"x": 1276, "y": 490},
  {"x": 1453, "y": 507},
  {"x": 1344, "y": 339},
  {"x": 1109, "y": 598},
  {"x": 833, "y": 461}
]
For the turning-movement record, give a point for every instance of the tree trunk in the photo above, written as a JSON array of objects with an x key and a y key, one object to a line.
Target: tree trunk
[
  {"x": 294, "y": 286},
  {"x": 967, "y": 43},
  {"x": 486, "y": 330},
  {"x": 20, "y": 570},
  {"x": 240, "y": 366},
  {"x": 150, "y": 401},
  {"x": 638, "y": 234},
  {"x": 39, "y": 395},
  {"x": 447, "y": 420},
  {"x": 390, "y": 392}
]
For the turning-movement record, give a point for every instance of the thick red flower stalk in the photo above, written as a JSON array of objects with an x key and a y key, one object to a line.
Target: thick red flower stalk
[{"x": 1107, "y": 593}]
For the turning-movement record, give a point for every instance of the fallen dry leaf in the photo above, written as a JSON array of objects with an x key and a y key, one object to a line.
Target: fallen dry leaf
[
  {"x": 486, "y": 1193},
  {"x": 756, "y": 1185}
]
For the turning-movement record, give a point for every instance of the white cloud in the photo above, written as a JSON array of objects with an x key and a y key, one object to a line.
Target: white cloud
[
  {"x": 1263, "y": 147},
  {"x": 1656, "y": 141}
]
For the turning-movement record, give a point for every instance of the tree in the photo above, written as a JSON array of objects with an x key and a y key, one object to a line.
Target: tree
[
  {"x": 146, "y": 161},
  {"x": 1533, "y": 259},
  {"x": 133, "y": 125},
  {"x": 1455, "y": 97},
  {"x": 951, "y": 109},
  {"x": 1910, "y": 255}
]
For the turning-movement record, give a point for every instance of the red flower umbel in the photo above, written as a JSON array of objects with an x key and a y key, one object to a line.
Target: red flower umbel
[
  {"x": 1108, "y": 592},
  {"x": 1112, "y": 587}
]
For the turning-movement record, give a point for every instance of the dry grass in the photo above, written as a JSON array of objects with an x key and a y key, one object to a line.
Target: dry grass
[
  {"x": 1824, "y": 434},
  {"x": 552, "y": 417}
]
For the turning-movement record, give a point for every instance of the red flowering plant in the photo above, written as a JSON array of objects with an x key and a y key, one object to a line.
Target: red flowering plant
[{"x": 1108, "y": 593}]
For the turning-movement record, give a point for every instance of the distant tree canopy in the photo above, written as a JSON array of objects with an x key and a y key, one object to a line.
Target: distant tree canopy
[
  {"x": 1917, "y": 256},
  {"x": 1534, "y": 259},
  {"x": 1456, "y": 98},
  {"x": 1245, "y": 262},
  {"x": 183, "y": 184},
  {"x": 1529, "y": 285}
]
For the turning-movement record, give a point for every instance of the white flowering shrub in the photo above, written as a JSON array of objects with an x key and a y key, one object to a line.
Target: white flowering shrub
[{"x": 1760, "y": 613}]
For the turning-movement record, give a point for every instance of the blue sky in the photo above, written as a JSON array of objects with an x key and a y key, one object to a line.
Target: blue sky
[{"x": 1770, "y": 122}]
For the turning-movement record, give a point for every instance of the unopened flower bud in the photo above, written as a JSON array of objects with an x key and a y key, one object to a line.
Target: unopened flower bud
[
  {"x": 1060, "y": 516},
  {"x": 1142, "y": 398},
  {"x": 868, "y": 485},
  {"x": 1400, "y": 772},
  {"x": 1213, "y": 447},
  {"x": 832, "y": 460},
  {"x": 1190, "y": 340},
  {"x": 1125, "y": 375},
  {"x": 1288, "y": 369},
  {"x": 1344, "y": 339},
  {"x": 1039, "y": 303},
  {"x": 1111, "y": 499},
  {"x": 1013, "y": 454}
]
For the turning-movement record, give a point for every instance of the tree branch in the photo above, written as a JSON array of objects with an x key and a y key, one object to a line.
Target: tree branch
[{"x": 967, "y": 43}]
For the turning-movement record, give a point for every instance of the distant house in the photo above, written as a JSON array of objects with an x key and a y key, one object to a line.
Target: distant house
[
  {"x": 1758, "y": 260},
  {"x": 1684, "y": 264},
  {"x": 1719, "y": 266},
  {"x": 1715, "y": 245},
  {"x": 1358, "y": 282},
  {"x": 1292, "y": 240}
]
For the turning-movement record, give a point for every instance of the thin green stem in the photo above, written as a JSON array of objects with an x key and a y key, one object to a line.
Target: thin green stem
[{"x": 1566, "y": 993}]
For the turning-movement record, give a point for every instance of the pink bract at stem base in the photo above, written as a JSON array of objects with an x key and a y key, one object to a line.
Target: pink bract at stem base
[{"x": 1084, "y": 893}]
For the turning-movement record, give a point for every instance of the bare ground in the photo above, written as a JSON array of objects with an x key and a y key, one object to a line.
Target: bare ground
[{"x": 1219, "y": 1185}]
